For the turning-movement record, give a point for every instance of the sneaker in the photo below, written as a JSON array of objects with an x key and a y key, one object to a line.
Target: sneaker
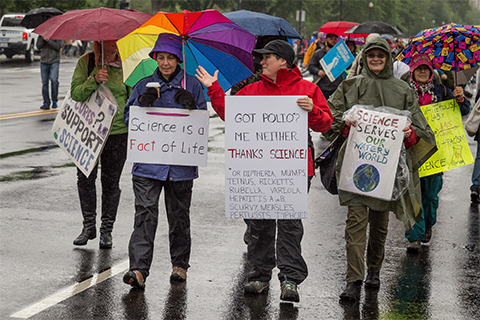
[
  {"x": 414, "y": 246},
  {"x": 289, "y": 291},
  {"x": 474, "y": 196},
  {"x": 44, "y": 107},
  {"x": 54, "y": 105},
  {"x": 178, "y": 274},
  {"x": 427, "y": 236},
  {"x": 135, "y": 279},
  {"x": 373, "y": 279},
  {"x": 256, "y": 287},
  {"x": 352, "y": 291}
]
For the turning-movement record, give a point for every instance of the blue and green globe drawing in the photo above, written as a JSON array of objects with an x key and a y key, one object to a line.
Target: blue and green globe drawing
[{"x": 366, "y": 178}]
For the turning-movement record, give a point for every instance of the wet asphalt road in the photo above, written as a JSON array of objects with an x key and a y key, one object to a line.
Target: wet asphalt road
[{"x": 46, "y": 277}]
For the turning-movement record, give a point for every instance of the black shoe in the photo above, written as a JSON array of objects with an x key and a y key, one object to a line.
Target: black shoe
[
  {"x": 427, "y": 236},
  {"x": 352, "y": 291},
  {"x": 87, "y": 234},
  {"x": 289, "y": 291},
  {"x": 106, "y": 240},
  {"x": 474, "y": 196},
  {"x": 373, "y": 279}
]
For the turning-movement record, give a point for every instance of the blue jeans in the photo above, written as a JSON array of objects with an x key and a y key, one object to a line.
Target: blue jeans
[
  {"x": 476, "y": 170},
  {"x": 49, "y": 72}
]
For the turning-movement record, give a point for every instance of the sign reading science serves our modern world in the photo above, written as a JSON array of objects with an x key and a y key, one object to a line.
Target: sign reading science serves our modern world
[{"x": 266, "y": 158}]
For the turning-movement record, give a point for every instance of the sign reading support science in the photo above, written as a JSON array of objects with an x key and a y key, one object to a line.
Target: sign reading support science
[
  {"x": 371, "y": 155},
  {"x": 168, "y": 136},
  {"x": 266, "y": 158},
  {"x": 445, "y": 120},
  {"x": 81, "y": 128},
  {"x": 336, "y": 60}
]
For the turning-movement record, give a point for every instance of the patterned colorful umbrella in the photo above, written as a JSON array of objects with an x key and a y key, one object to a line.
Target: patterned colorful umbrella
[
  {"x": 209, "y": 39},
  {"x": 452, "y": 47}
]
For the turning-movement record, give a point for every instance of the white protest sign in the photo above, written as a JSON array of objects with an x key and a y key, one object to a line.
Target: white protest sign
[
  {"x": 266, "y": 158},
  {"x": 168, "y": 136},
  {"x": 371, "y": 156},
  {"x": 81, "y": 128}
]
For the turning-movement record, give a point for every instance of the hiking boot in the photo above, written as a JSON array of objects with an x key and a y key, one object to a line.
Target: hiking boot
[
  {"x": 373, "y": 279},
  {"x": 256, "y": 287},
  {"x": 54, "y": 105},
  {"x": 106, "y": 240},
  {"x": 135, "y": 279},
  {"x": 178, "y": 274},
  {"x": 289, "y": 291},
  {"x": 474, "y": 196},
  {"x": 352, "y": 291},
  {"x": 45, "y": 107},
  {"x": 87, "y": 234},
  {"x": 427, "y": 236},
  {"x": 414, "y": 246}
]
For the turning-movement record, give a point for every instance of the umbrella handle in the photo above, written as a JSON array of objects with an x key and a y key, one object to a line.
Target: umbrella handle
[{"x": 184, "y": 67}]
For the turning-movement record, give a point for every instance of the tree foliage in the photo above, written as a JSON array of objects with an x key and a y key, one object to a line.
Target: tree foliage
[{"x": 410, "y": 15}]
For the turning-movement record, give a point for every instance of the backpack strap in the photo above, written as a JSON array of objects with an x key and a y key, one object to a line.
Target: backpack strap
[{"x": 91, "y": 63}]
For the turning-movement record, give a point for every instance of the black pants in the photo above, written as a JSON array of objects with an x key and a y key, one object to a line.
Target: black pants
[
  {"x": 112, "y": 161},
  {"x": 263, "y": 248},
  {"x": 178, "y": 196}
]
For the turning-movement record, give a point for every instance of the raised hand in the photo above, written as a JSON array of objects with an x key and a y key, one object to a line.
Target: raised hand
[{"x": 205, "y": 78}]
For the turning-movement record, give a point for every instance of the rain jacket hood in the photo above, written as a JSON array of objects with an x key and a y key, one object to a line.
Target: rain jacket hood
[{"x": 378, "y": 43}]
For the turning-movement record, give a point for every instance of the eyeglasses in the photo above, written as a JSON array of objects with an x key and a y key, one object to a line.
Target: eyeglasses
[{"x": 373, "y": 55}]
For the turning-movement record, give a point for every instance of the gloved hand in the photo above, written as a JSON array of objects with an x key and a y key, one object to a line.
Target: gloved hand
[
  {"x": 186, "y": 99},
  {"x": 148, "y": 97}
]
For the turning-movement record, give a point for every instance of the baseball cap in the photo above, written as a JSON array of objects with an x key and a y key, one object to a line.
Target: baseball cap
[{"x": 280, "y": 48}]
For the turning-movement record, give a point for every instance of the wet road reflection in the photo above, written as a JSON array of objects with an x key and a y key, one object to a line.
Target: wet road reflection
[
  {"x": 176, "y": 303},
  {"x": 134, "y": 305}
]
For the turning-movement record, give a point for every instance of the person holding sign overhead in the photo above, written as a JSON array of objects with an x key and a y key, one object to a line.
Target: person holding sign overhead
[
  {"x": 376, "y": 86},
  {"x": 279, "y": 77},
  {"x": 428, "y": 91},
  {"x": 163, "y": 89},
  {"x": 86, "y": 78}
]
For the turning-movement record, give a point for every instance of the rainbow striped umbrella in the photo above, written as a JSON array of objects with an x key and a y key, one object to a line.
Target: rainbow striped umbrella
[{"x": 209, "y": 39}]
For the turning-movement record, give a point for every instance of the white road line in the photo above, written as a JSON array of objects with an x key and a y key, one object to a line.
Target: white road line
[{"x": 70, "y": 291}]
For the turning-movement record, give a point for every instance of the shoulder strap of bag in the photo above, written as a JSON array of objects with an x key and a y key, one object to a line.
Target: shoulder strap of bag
[{"x": 91, "y": 62}]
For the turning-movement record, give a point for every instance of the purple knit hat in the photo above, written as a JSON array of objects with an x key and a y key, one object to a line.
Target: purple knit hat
[
  {"x": 417, "y": 61},
  {"x": 168, "y": 42}
]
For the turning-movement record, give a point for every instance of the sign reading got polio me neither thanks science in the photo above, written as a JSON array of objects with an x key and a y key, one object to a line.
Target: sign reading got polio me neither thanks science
[
  {"x": 445, "y": 120},
  {"x": 81, "y": 128},
  {"x": 371, "y": 156},
  {"x": 266, "y": 158},
  {"x": 168, "y": 136}
]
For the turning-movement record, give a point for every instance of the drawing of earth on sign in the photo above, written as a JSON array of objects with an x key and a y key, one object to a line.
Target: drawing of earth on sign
[{"x": 366, "y": 178}]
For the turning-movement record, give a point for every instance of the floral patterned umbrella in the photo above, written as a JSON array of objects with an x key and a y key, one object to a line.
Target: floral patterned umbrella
[{"x": 453, "y": 47}]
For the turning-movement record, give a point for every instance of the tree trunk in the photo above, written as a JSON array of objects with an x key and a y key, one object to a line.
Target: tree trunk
[{"x": 157, "y": 5}]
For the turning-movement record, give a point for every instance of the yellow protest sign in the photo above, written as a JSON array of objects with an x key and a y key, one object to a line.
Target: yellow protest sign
[{"x": 446, "y": 122}]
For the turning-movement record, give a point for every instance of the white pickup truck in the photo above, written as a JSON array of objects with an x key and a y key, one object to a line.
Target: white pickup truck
[{"x": 16, "y": 39}]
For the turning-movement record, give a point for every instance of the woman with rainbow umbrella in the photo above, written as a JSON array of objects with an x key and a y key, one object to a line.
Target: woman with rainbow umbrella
[{"x": 173, "y": 89}]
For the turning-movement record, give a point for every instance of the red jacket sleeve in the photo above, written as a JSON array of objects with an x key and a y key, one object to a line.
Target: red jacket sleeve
[
  {"x": 217, "y": 98},
  {"x": 320, "y": 118},
  {"x": 412, "y": 140}
]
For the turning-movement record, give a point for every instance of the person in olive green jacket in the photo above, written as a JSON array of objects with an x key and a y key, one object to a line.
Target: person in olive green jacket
[
  {"x": 89, "y": 73},
  {"x": 377, "y": 86}
]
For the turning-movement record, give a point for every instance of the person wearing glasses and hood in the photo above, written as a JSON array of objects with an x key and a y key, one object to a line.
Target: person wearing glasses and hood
[
  {"x": 149, "y": 179},
  {"x": 276, "y": 242},
  {"x": 428, "y": 90},
  {"x": 378, "y": 87}
]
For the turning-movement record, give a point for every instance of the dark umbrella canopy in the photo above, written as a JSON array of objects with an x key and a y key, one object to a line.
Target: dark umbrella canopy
[
  {"x": 36, "y": 17},
  {"x": 375, "y": 27},
  {"x": 261, "y": 24}
]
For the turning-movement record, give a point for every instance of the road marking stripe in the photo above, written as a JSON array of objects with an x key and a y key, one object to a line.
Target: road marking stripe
[
  {"x": 27, "y": 114},
  {"x": 70, "y": 291}
]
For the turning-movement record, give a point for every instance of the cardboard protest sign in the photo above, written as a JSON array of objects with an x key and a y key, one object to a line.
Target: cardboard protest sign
[
  {"x": 445, "y": 120},
  {"x": 168, "y": 136},
  {"x": 372, "y": 152},
  {"x": 266, "y": 158},
  {"x": 337, "y": 60},
  {"x": 81, "y": 128}
]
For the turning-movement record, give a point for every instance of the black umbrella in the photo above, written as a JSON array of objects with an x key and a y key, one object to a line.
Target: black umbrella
[
  {"x": 375, "y": 27},
  {"x": 36, "y": 17}
]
